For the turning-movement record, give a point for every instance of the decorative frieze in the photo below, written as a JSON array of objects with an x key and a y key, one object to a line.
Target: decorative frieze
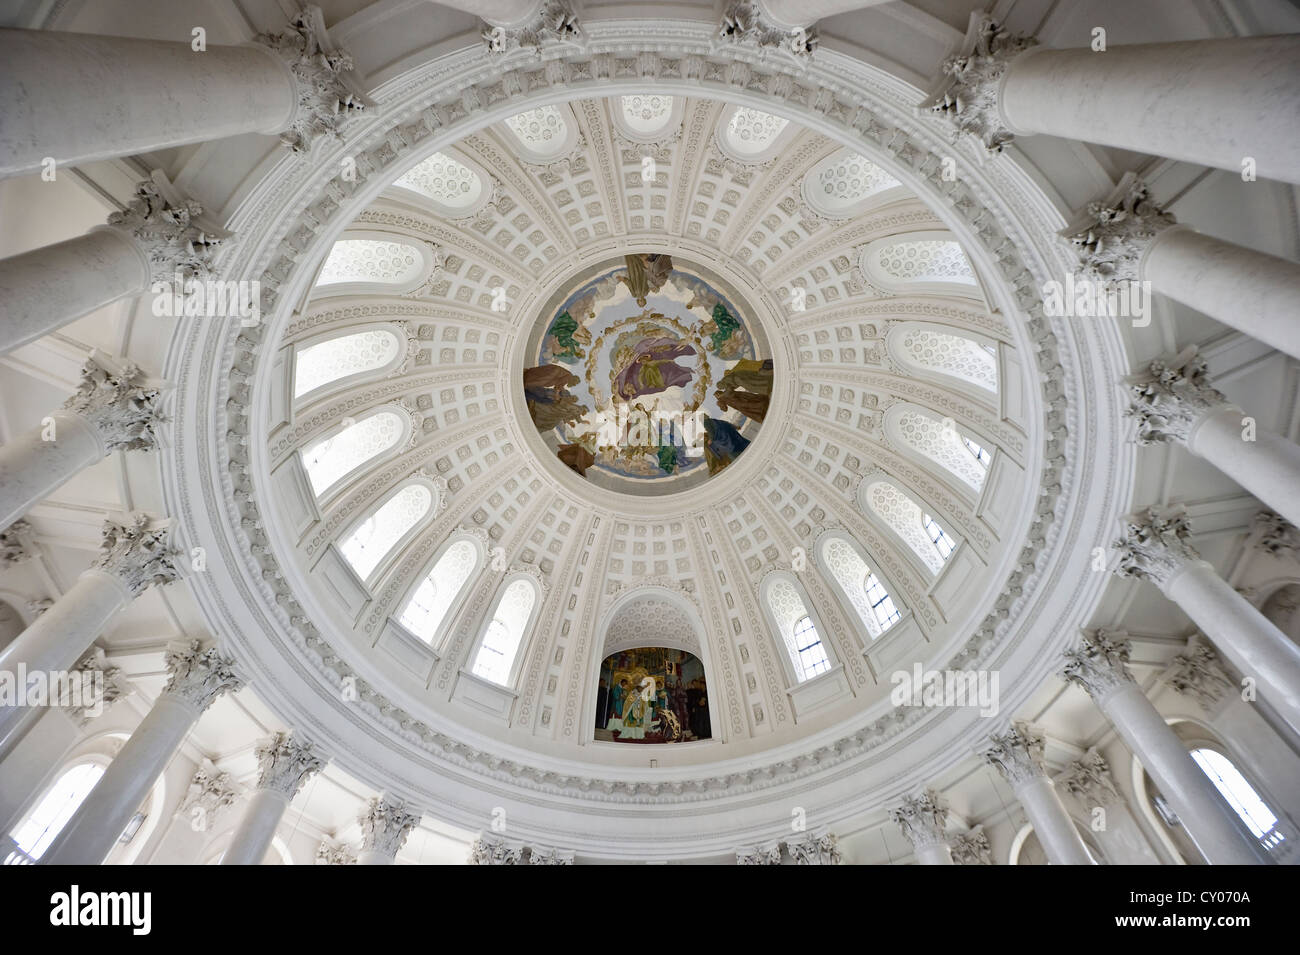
[
  {"x": 1017, "y": 753},
  {"x": 967, "y": 93},
  {"x": 137, "y": 553},
  {"x": 1171, "y": 396},
  {"x": 119, "y": 402},
  {"x": 1113, "y": 234},
  {"x": 1097, "y": 663},
  {"x": 326, "y": 95}
]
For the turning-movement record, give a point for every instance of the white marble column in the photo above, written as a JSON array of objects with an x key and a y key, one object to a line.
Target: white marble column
[
  {"x": 157, "y": 241},
  {"x": 131, "y": 558},
  {"x": 1155, "y": 547},
  {"x": 1018, "y": 755},
  {"x": 923, "y": 819},
  {"x": 114, "y": 408},
  {"x": 78, "y": 97},
  {"x": 283, "y": 765},
  {"x": 1087, "y": 780},
  {"x": 197, "y": 676},
  {"x": 1173, "y": 400},
  {"x": 1128, "y": 238},
  {"x": 1214, "y": 102},
  {"x": 385, "y": 824},
  {"x": 1097, "y": 665}
]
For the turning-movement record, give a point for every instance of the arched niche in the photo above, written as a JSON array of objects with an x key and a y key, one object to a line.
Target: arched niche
[{"x": 652, "y": 616}]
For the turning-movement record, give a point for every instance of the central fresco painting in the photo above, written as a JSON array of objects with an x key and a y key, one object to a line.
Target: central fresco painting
[{"x": 647, "y": 374}]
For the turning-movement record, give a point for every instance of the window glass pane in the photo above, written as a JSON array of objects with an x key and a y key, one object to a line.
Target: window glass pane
[
  {"x": 375, "y": 537},
  {"x": 501, "y": 640},
  {"x": 812, "y": 655},
  {"x": 882, "y": 605},
  {"x": 941, "y": 542},
  {"x": 330, "y": 460},
  {"x": 53, "y": 812},
  {"x": 429, "y": 604},
  {"x": 1240, "y": 794},
  {"x": 318, "y": 365}
]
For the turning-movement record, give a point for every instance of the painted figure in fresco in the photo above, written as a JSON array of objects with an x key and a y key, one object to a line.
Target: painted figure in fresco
[
  {"x": 566, "y": 339},
  {"x": 722, "y": 444},
  {"x": 698, "y": 702},
  {"x": 751, "y": 405},
  {"x": 646, "y": 273},
  {"x": 549, "y": 376},
  {"x": 634, "y": 715},
  {"x": 617, "y": 695},
  {"x": 721, "y": 327},
  {"x": 602, "y": 704},
  {"x": 577, "y": 456},
  {"x": 648, "y": 367},
  {"x": 551, "y": 407},
  {"x": 749, "y": 374}
]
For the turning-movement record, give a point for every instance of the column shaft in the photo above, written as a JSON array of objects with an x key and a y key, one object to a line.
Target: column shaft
[
  {"x": 1208, "y": 819},
  {"x": 57, "y": 639},
  {"x": 257, "y": 828},
  {"x": 1242, "y": 634},
  {"x": 44, "y": 289},
  {"x": 1268, "y": 467},
  {"x": 1253, "y": 292},
  {"x": 31, "y": 468},
  {"x": 374, "y": 857},
  {"x": 78, "y": 97},
  {"x": 1051, "y": 821},
  {"x": 98, "y": 823},
  {"x": 938, "y": 853},
  {"x": 1213, "y": 102}
]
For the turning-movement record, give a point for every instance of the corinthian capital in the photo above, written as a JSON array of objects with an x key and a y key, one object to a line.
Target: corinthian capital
[
  {"x": 137, "y": 554},
  {"x": 385, "y": 824},
  {"x": 1017, "y": 753},
  {"x": 967, "y": 93},
  {"x": 1154, "y": 545},
  {"x": 493, "y": 850},
  {"x": 284, "y": 763},
  {"x": 119, "y": 402},
  {"x": 197, "y": 676},
  {"x": 922, "y": 819},
  {"x": 743, "y": 22},
  {"x": 166, "y": 225},
  {"x": 1088, "y": 779},
  {"x": 972, "y": 848},
  {"x": 326, "y": 94},
  {"x": 1197, "y": 672},
  {"x": 814, "y": 849},
  {"x": 760, "y": 855},
  {"x": 538, "y": 855},
  {"x": 1277, "y": 535},
  {"x": 1097, "y": 664},
  {"x": 211, "y": 791},
  {"x": 554, "y": 20},
  {"x": 335, "y": 853},
  {"x": 1171, "y": 396},
  {"x": 1113, "y": 234},
  {"x": 17, "y": 543}
]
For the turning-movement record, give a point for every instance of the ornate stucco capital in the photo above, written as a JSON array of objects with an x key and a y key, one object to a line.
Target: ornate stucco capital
[
  {"x": 119, "y": 402},
  {"x": 922, "y": 818},
  {"x": 1097, "y": 664},
  {"x": 1112, "y": 235},
  {"x": 1172, "y": 396},
  {"x": 1155, "y": 545}
]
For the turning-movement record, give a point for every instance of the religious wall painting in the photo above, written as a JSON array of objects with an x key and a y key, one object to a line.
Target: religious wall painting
[{"x": 652, "y": 695}]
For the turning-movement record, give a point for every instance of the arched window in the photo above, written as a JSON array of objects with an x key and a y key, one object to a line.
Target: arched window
[
  {"x": 934, "y": 350},
  {"x": 52, "y": 813},
  {"x": 1241, "y": 796},
  {"x": 812, "y": 655},
  {"x": 542, "y": 132},
  {"x": 858, "y": 585},
  {"x": 751, "y": 131},
  {"x": 501, "y": 640},
  {"x": 445, "y": 180},
  {"x": 646, "y": 112},
  {"x": 371, "y": 261},
  {"x": 940, "y": 540},
  {"x": 942, "y": 444},
  {"x": 332, "y": 459},
  {"x": 981, "y": 456},
  {"x": 342, "y": 357},
  {"x": 429, "y": 605},
  {"x": 840, "y": 184},
  {"x": 906, "y": 519},
  {"x": 374, "y": 537}
]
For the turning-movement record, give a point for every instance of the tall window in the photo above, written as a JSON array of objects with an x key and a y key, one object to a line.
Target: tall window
[
  {"x": 980, "y": 454},
  {"x": 812, "y": 655},
  {"x": 1241, "y": 796},
  {"x": 882, "y": 605},
  {"x": 342, "y": 357},
  {"x": 496, "y": 654},
  {"x": 53, "y": 812},
  {"x": 431, "y": 601},
  {"x": 332, "y": 459},
  {"x": 940, "y": 540},
  {"x": 906, "y": 519},
  {"x": 367, "y": 546}
]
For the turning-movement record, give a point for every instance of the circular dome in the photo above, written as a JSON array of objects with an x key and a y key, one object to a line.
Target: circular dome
[{"x": 647, "y": 379}]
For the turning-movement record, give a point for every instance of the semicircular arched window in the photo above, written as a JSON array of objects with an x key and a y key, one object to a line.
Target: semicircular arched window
[
  {"x": 945, "y": 446},
  {"x": 751, "y": 131},
  {"x": 860, "y": 586},
  {"x": 376, "y": 536},
  {"x": 330, "y": 460},
  {"x": 905, "y": 518},
  {"x": 343, "y": 357},
  {"x": 445, "y": 180},
  {"x": 496, "y": 653},
  {"x": 429, "y": 605},
  {"x": 371, "y": 261},
  {"x": 646, "y": 112},
  {"x": 52, "y": 813},
  {"x": 839, "y": 183},
  {"x": 934, "y": 350}
]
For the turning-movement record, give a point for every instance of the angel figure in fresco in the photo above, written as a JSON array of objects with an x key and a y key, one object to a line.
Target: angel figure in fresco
[
  {"x": 646, "y": 273},
  {"x": 751, "y": 405},
  {"x": 648, "y": 367},
  {"x": 722, "y": 444},
  {"x": 566, "y": 339}
]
